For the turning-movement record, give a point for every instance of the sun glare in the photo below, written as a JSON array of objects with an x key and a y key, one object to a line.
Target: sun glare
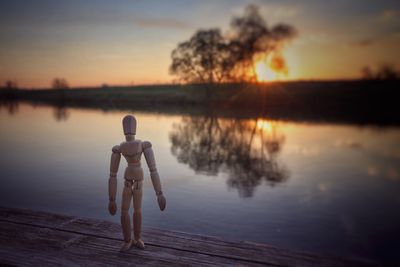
[
  {"x": 264, "y": 72},
  {"x": 264, "y": 125}
]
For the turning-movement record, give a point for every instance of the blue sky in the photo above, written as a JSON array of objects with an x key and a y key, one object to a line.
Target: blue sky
[{"x": 120, "y": 42}]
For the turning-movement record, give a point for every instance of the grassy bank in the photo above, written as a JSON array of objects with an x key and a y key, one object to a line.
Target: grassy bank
[{"x": 361, "y": 102}]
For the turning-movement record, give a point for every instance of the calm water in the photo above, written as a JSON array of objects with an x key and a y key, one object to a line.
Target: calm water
[{"x": 334, "y": 189}]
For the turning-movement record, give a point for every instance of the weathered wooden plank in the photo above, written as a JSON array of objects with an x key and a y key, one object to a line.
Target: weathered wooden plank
[
  {"x": 32, "y": 246},
  {"x": 191, "y": 248}
]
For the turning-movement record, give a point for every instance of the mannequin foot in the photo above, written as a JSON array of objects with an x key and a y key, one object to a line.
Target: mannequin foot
[
  {"x": 126, "y": 246},
  {"x": 139, "y": 243}
]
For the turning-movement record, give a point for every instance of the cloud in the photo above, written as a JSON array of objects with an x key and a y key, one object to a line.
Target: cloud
[
  {"x": 363, "y": 43},
  {"x": 389, "y": 15},
  {"x": 392, "y": 154},
  {"x": 372, "y": 171},
  {"x": 161, "y": 23},
  {"x": 281, "y": 11},
  {"x": 322, "y": 187},
  {"x": 393, "y": 174}
]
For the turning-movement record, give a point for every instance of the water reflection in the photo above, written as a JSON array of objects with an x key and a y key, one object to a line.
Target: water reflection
[
  {"x": 60, "y": 113},
  {"x": 246, "y": 150},
  {"x": 342, "y": 197},
  {"x": 11, "y": 106},
  {"x": 60, "y": 109}
]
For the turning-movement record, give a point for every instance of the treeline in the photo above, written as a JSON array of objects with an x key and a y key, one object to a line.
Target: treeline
[
  {"x": 360, "y": 102},
  {"x": 384, "y": 72}
]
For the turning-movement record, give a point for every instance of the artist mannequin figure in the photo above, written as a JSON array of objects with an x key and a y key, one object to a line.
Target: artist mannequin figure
[{"x": 132, "y": 151}]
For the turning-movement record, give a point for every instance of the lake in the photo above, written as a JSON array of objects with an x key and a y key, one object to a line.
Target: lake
[{"x": 329, "y": 188}]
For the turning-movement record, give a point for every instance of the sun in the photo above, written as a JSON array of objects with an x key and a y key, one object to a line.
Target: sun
[
  {"x": 264, "y": 73},
  {"x": 264, "y": 125}
]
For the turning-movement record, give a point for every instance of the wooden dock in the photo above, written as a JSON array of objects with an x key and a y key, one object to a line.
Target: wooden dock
[{"x": 31, "y": 238}]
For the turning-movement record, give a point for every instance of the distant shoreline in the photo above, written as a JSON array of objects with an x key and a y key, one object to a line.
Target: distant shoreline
[{"x": 358, "y": 102}]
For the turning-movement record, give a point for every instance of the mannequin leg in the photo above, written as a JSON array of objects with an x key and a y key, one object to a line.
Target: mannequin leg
[
  {"x": 125, "y": 220},
  {"x": 137, "y": 213}
]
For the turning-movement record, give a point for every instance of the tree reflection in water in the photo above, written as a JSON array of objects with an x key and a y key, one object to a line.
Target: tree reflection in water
[
  {"x": 60, "y": 113},
  {"x": 246, "y": 150},
  {"x": 11, "y": 106}
]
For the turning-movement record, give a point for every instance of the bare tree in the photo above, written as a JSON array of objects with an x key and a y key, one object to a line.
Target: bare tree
[
  {"x": 59, "y": 83},
  {"x": 10, "y": 84},
  {"x": 387, "y": 72},
  {"x": 208, "y": 57},
  {"x": 367, "y": 73},
  {"x": 202, "y": 59},
  {"x": 384, "y": 72}
]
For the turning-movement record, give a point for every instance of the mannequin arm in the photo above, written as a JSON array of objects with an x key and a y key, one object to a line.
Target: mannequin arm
[
  {"x": 155, "y": 178},
  {"x": 112, "y": 181}
]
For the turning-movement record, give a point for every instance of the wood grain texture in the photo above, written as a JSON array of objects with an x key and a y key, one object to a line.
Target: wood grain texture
[{"x": 31, "y": 238}]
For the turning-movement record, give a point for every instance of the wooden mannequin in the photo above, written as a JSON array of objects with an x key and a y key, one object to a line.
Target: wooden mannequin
[{"x": 132, "y": 150}]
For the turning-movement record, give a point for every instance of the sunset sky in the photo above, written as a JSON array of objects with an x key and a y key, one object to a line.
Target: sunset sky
[{"x": 123, "y": 42}]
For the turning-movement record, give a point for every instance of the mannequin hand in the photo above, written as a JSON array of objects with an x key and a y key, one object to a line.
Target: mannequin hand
[
  {"x": 162, "y": 202},
  {"x": 112, "y": 207}
]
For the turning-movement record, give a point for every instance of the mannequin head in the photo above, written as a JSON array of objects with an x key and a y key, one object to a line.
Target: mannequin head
[{"x": 129, "y": 126}]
